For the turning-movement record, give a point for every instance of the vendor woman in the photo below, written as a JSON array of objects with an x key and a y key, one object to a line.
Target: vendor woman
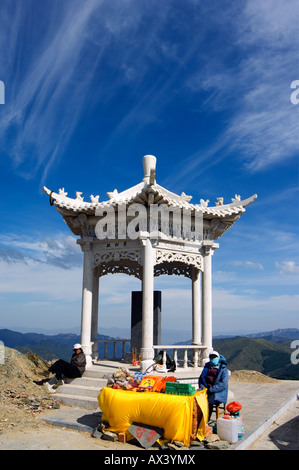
[{"x": 214, "y": 378}]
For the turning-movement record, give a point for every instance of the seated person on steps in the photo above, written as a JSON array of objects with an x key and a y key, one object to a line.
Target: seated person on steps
[{"x": 72, "y": 369}]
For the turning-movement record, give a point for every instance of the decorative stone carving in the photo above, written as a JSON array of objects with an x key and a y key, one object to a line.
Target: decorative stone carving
[
  {"x": 94, "y": 199},
  {"x": 185, "y": 198},
  {"x": 172, "y": 269},
  {"x": 237, "y": 198},
  {"x": 132, "y": 270},
  {"x": 204, "y": 203},
  {"x": 190, "y": 259},
  {"x": 78, "y": 196},
  {"x": 118, "y": 261},
  {"x": 62, "y": 192},
  {"x": 112, "y": 194},
  {"x": 117, "y": 255}
]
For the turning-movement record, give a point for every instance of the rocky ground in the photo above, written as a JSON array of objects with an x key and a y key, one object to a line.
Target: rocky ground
[
  {"x": 21, "y": 399},
  {"x": 23, "y": 404}
]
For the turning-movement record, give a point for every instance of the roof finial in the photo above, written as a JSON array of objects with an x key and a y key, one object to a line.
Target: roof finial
[{"x": 149, "y": 168}]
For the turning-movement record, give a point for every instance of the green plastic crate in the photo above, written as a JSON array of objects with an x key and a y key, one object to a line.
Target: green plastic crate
[{"x": 174, "y": 388}]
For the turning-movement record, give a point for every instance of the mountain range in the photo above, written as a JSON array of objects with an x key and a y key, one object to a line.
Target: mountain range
[
  {"x": 266, "y": 352},
  {"x": 269, "y": 355},
  {"x": 49, "y": 347}
]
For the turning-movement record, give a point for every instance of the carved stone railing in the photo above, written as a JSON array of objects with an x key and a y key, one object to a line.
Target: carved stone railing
[
  {"x": 180, "y": 363},
  {"x": 197, "y": 354},
  {"x": 115, "y": 342}
]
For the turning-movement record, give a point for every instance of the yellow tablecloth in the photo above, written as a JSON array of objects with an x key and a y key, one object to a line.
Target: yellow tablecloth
[{"x": 173, "y": 413}]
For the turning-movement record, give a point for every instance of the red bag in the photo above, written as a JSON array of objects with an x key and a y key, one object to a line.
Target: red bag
[{"x": 233, "y": 407}]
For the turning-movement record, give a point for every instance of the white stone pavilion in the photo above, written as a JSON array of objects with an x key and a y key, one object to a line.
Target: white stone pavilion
[{"x": 145, "y": 253}]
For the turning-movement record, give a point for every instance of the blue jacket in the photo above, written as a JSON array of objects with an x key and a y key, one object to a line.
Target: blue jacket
[{"x": 219, "y": 390}]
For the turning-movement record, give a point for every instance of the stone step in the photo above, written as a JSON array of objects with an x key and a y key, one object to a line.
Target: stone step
[
  {"x": 97, "y": 373},
  {"x": 87, "y": 381},
  {"x": 80, "y": 401},
  {"x": 79, "y": 390}
]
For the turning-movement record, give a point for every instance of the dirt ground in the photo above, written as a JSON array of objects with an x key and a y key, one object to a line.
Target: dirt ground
[
  {"x": 23, "y": 404},
  {"x": 46, "y": 437},
  {"x": 22, "y": 400},
  {"x": 251, "y": 376}
]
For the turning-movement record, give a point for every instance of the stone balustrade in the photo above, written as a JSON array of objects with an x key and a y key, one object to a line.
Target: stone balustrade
[
  {"x": 197, "y": 354},
  {"x": 115, "y": 342},
  {"x": 172, "y": 350}
]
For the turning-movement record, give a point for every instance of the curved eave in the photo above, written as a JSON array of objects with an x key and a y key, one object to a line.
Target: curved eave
[
  {"x": 71, "y": 205},
  {"x": 68, "y": 206},
  {"x": 226, "y": 210}
]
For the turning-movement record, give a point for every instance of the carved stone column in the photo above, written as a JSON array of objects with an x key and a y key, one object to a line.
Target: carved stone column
[
  {"x": 86, "y": 315},
  {"x": 94, "y": 316},
  {"x": 207, "y": 300},
  {"x": 196, "y": 306},
  {"x": 196, "y": 311},
  {"x": 147, "y": 351}
]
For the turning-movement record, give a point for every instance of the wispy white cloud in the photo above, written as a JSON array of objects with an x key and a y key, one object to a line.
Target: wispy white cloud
[
  {"x": 86, "y": 52},
  {"x": 86, "y": 44},
  {"x": 287, "y": 267},
  {"x": 261, "y": 125},
  {"x": 47, "y": 102},
  {"x": 39, "y": 281},
  {"x": 224, "y": 299},
  {"x": 61, "y": 251},
  {"x": 249, "y": 264}
]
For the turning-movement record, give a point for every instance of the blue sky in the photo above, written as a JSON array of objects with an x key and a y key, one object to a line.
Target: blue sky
[{"x": 92, "y": 86}]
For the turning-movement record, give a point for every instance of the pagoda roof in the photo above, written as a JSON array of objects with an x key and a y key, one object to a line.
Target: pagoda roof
[{"x": 147, "y": 192}]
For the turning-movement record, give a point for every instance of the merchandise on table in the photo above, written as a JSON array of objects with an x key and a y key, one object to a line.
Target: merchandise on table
[
  {"x": 179, "y": 389},
  {"x": 155, "y": 384}
]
